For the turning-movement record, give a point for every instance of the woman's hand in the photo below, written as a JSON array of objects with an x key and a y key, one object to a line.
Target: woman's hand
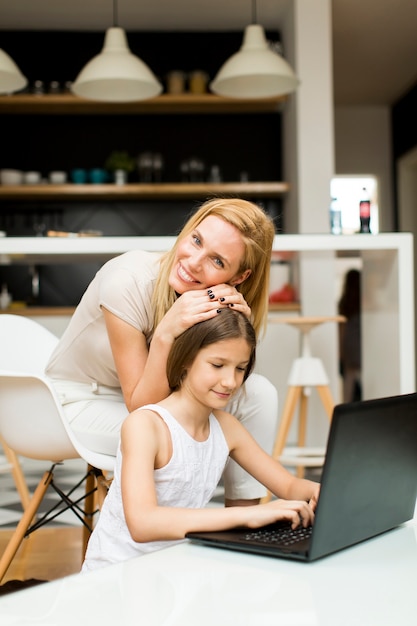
[
  {"x": 198, "y": 305},
  {"x": 226, "y": 296}
]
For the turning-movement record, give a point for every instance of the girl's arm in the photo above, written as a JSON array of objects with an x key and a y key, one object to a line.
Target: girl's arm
[
  {"x": 142, "y": 372},
  {"x": 146, "y": 444},
  {"x": 247, "y": 452}
]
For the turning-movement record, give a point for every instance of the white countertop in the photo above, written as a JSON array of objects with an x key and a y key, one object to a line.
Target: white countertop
[
  {"x": 24, "y": 249},
  {"x": 372, "y": 584}
]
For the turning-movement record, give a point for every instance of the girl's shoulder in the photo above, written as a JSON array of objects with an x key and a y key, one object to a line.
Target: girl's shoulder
[{"x": 225, "y": 419}]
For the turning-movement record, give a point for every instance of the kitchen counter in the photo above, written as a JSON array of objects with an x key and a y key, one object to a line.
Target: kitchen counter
[{"x": 387, "y": 297}]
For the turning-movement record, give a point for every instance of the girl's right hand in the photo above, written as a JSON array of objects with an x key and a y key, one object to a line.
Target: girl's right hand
[{"x": 293, "y": 511}]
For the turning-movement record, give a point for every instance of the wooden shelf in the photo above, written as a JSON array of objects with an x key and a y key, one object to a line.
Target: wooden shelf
[
  {"x": 68, "y": 104},
  {"x": 35, "y": 311},
  {"x": 141, "y": 191}
]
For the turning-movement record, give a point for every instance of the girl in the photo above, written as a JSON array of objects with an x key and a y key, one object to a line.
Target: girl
[
  {"x": 112, "y": 357},
  {"x": 172, "y": 454}
]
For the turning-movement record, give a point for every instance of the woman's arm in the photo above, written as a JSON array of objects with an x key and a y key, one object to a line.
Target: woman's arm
[
  {"x": 142, "y": 372},
  {"x": 146, "y": 445}
]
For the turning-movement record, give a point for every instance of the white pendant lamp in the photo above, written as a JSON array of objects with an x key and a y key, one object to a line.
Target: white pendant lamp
[
  {"x": 11, "y": 78},
  {"x": 255, "y": 71},
  {"x": 116, "y": 75}
]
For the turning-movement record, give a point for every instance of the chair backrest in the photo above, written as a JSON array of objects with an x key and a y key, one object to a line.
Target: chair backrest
[
  {"x": 25, "y": 345},
  {"x": 32, "y": 421}
]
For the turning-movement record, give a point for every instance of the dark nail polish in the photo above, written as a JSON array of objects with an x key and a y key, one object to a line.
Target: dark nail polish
[
  {"x": 211, "y": 296},
  {"x": 209, "y": 291},
  {"x": 222, "y": 299},
  {"x": 219, "y": 310},
  {"x": 231, "y": 304}
]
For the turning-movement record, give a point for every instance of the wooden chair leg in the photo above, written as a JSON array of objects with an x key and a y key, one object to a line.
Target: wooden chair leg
[
  {"x": 17, "y": 473},
  {"x": 27, "y": 517},
  {"x": 103, "y": 486},
  {"x": 89, "y": 507}
]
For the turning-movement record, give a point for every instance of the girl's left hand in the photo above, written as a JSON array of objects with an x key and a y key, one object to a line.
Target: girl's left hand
[{"x": 228, "y": 296}]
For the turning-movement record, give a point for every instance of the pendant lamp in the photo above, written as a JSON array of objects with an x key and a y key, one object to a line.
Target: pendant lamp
[
  {"x": 116, "y": 75},
  {"x": 255, "y": 71},
  {"x": 11, "y": 78}
]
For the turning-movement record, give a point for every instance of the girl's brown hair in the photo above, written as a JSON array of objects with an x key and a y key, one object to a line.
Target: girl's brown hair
[
  {"x": 257, "y": 230},
  {"x": 227, "y": 325}
]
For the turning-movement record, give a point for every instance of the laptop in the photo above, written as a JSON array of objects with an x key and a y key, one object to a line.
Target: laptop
[{"x": 368, "y": 485}]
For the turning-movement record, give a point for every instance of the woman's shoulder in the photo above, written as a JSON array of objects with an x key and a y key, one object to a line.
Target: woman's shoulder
[
  {"x": 134, "y": 259},
  {"x": 134, "y": 267}
]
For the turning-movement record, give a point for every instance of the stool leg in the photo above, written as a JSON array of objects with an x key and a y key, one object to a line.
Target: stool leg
[
  {"x": 287, "y": 414},
  {"x": 292, "y": 398},
  {"x": 327, "y": 399},
  {"x": 302, "y": 428}
]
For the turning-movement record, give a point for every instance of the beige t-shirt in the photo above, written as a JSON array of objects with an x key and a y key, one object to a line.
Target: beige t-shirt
[{"x": 124, "y": 286}]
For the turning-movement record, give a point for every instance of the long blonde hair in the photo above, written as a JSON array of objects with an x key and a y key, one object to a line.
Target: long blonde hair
[{"x": 257, "y": 230}]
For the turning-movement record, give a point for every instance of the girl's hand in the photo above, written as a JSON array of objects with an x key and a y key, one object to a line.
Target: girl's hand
[{"x": 294, "y": 511}]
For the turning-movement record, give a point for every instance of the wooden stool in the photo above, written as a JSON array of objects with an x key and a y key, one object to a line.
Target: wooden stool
[{"x": 306, "y": 372}]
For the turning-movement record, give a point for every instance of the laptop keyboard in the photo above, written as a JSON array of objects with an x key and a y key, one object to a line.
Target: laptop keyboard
[{"x": 284, "y": 536}]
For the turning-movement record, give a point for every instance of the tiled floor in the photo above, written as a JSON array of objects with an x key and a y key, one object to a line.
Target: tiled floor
[{"x": 66, "y": 476}]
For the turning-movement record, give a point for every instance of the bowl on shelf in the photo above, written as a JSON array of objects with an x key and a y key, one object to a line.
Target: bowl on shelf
[{"x": 11, "y": 177}]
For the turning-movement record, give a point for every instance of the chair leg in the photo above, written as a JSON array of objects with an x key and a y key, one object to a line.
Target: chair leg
[
  {"x": 19, "y": 534},
  {"x": 17, "y": 474},
  {"x": 103, "y": 486},
  {"x": 89, "y": 506},
  {"x": 96, "y": 488}
]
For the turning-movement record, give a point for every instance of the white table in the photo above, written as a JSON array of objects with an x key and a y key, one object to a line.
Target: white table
[{"x": 372, "y": 584}]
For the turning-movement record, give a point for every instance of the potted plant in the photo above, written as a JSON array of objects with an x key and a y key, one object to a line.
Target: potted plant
[{"x": 120, "y": 163}]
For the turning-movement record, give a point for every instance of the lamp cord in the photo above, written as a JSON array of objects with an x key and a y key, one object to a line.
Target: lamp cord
[
  {"x": 254, "y": 17},
  {"x": 115, "y": 16}
]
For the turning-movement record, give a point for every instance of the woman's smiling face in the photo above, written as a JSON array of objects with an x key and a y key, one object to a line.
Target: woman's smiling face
[{"x": 212, "y": 254}]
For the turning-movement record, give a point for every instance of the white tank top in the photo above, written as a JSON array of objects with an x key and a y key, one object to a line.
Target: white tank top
[{"x": 188, "y": 480}]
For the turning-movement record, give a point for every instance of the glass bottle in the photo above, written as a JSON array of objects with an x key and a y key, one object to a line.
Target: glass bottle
[
  {"x": 335, "y": 218},
  {"x": 365, "y": 212}
]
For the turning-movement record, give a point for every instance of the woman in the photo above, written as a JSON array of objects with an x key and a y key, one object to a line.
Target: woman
[
  {"x": 112, "y": 357},
  {"x": 350, "y": 337},
  {"x": 172, "y": 454}
]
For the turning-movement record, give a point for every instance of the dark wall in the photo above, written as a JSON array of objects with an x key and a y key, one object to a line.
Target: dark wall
[
  {"x": 238, "y": 142},
  {"x": 404, "y": 135}
]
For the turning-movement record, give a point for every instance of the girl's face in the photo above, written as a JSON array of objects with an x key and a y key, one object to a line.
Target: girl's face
[
  {"x": 210, "y": 255},
  {"x": 218, "y": 371}
]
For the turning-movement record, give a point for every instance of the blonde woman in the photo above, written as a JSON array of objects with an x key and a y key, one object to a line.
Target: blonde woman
[{"x": 112, "y": 357}]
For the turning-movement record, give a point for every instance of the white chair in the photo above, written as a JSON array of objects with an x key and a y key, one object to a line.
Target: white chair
[{"x": 33, "y": 425}]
